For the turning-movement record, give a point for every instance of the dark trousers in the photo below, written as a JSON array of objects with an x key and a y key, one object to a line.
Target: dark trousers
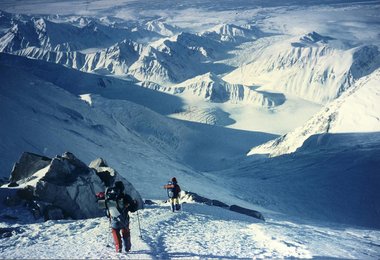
[
  {"x": 175, "y": 203},
  {"x": 121, "y": 237}
]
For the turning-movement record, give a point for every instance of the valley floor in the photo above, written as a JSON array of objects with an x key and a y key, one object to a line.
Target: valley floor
[{"x": 196, "y": 232}]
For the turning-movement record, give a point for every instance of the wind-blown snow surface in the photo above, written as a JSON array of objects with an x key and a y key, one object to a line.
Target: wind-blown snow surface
[
  {"x": 197, "y": 232},
  {"x": 85, "y": 81}
]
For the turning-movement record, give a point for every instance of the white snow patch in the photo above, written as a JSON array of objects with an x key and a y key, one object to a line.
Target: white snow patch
[{"x": 87, "y": 98}]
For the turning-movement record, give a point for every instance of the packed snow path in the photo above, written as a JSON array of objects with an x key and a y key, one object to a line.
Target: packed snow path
[{"x": 198, "y": 231}]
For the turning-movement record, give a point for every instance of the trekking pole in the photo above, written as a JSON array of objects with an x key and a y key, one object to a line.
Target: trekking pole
[{"x": 138, "y": 220}]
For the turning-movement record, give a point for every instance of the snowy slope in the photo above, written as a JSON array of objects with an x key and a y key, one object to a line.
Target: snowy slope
[
  {"x": 307, "y": 185},
  {"x": 110, "y": 105},
  {"x": 312, "y": 66},
  {"x": 178, "y": 58},
  {"x": 199, "y": 231},
  {"x": 356, "y": 111},
  {"x": 46, "y": 114}
]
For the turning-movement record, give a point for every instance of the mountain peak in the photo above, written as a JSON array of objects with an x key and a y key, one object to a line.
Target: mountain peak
[
  {"x": 161, "y": 28},
  {"x": 40, "y": 24},
  {"x": 227, "y": 32},
  {"x": 314, "y": 37},
  {"x": 209, "y": 76},
  {"x": 206, "y": 78}
]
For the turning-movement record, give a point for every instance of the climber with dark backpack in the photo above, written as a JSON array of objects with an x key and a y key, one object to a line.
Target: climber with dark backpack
[
  {"x": 173, "y": 190},
  {"x": 118, "y": 204}
]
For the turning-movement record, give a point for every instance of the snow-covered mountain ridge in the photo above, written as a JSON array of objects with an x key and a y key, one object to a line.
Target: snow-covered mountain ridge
[
  {"x": 70, "y": 34},
  {"x": 113, "y": 60},
  {"x": 162, "y": 28},
  {"x": 212, "y": 88},
  {"x": 233, "y": 33},
  {"x": 312, "y": 66},
  {"x": 356, "y": 111},
  {"x": 162, "y": 63},
  {"x": 178, "y": 58}
]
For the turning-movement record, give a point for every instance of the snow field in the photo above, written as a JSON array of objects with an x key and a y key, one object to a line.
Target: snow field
[
  {"x": 68, "y": 239},
  {"x": 196, "y": 232}
]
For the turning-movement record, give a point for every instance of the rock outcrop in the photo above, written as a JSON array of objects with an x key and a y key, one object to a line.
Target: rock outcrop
[
  {"x": 28, "y": 164},
  {"x": 64, "y": 186}
]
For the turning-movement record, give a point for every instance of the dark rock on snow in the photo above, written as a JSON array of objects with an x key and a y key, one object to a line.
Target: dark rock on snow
[
  {"x": 28, "y": 164},
  {"x": 245, "y": 211},
  {"x": 249, "y": 212},
  {"x": 8, "y": 232},
  {"x": 64, "y": 187},
  {"x": 149, "y": 202},
  {"x": 197, "y": 198}
]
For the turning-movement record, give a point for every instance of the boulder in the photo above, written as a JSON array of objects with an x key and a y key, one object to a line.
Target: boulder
[
  {"x": 211, "y": 202},
  {"x": 28, "y": 164},
  {"x": 191, "y": 196},
  {"x": 64, "y": 187},
  {"x": 100, "y": 162},
  {"x": 10, "y": 231},
  {"x": 53, "y": 213},
  {"x": 70, "y": 185},
  {"x": 248, "y": 212}
]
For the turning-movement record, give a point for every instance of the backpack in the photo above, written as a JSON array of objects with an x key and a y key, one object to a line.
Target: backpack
[
  {"x": 174, "y": 190},
  {"x": 133, "y": 206},
  {"x": 115, "y": 198},
  {"x": 113, "y": 201},
  {"x": 112, "y": 194},
  {"x": 169, "y": 190}
]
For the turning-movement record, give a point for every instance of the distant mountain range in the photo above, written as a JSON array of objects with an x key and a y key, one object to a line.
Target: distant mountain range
[{"x": 355, "y": 111}]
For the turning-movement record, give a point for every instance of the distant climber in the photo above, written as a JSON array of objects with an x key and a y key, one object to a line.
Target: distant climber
[
  {"x": 118, "y": 204},
  {"x": 173, "y": 190}
]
